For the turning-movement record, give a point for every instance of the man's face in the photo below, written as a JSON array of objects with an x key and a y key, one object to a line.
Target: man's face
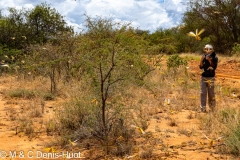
[{"x": 208, "y": 50}]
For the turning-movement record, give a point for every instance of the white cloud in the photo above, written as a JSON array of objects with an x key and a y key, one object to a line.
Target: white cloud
[
  {"x": 176, "y": 1},
  {"x": 144, "y": 14}
]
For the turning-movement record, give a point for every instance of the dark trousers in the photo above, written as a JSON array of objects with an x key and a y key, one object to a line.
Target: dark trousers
[{"x": 207, "y": 88}]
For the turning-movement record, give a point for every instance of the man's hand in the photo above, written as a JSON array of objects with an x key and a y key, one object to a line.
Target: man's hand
[
  {"x": 208, "y": 58},
  {"x": 210, "y": 68},
  {"x": 201, "y": 61}
]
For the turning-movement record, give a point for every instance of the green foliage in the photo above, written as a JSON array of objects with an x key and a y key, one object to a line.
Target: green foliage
[
  {"x": 9, "y": 56},
  {"x": 48, "y": 96},
  {"x": 184, "y": 44},
  {"x": 161, "y": 48},
  {"x": 162, "y": 41},
  {"x": 55, "y": 59},
  {"x": 175, "y": 61},
  {"x": 38, "y": 25},
  {"x": 21, "y": 93},
  {"x": 78, "y": 113},
  {"x": 231, "y": 118},
  {"x": 226, "y": 115},
  {"x": 233, "y": 141},
  {"x": 236, "y": 49},
  {"x": 110, "y": 55},
  {"x": 45, "y": 23},
  {"x": 106, "y": 60},
  {"x": 42, "y": 24},
  {"x": 15, "y": 30},
  {"x": 219, "y": 18},
  {"x": 80, "y": 118}
]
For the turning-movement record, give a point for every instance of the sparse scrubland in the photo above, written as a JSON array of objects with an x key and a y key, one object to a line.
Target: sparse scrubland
[
  {"x": 116, "y": 92},
  {"x": 154, "y": 119}
]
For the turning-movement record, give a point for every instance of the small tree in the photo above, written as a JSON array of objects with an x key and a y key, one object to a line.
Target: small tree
[
  {"x": 44, "y": 23},
  {"x": 53, "y": 59},
  {"x": 110, "y": 57}
]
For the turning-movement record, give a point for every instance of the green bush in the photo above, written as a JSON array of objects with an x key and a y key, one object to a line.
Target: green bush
[
  {"x": 226, "y": 115},
  {"x": 175, "y": 61},
  {"x": 80, "y": 119},
  {"x": 230, "y": 118},
  {"x": 48, "y": 96},
  {"x": 233, "y": 141},
  {"x": 21, "y": 93},
  {"x": 166, "y": 48},
  {"x": 236, "y": 49}
]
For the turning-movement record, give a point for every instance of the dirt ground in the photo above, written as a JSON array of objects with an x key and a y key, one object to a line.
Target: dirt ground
[{"x": 191, "y": 145}]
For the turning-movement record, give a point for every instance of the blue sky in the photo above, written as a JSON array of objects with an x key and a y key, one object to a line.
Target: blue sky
[{"x": 143, "y": 14}]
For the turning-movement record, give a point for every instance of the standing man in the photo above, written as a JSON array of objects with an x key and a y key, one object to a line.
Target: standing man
[{"x": 208, "y": 64}]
